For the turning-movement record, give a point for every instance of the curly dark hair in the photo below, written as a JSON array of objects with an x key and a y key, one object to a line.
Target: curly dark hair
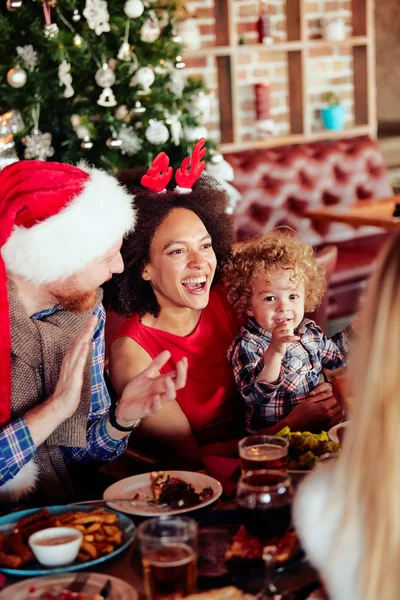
[{"x": 128, "y": 292}]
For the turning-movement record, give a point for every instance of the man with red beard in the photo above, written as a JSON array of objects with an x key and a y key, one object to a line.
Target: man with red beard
[{"x": 61, "y": 229}]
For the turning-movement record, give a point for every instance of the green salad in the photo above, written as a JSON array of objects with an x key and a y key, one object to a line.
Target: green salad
[{"x": 305, "y": 448}]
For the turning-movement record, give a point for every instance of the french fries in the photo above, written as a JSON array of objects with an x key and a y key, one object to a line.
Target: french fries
[{"x": 100, "y": 528}]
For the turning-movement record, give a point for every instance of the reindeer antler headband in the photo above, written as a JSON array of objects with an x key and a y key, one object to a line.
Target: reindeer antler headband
[{"x": 159, "y": 174}]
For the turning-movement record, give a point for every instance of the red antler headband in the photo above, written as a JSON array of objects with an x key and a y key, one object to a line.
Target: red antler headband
[
  {"x": 185, "y": 177},
  {"x": 159, "y": 174}
]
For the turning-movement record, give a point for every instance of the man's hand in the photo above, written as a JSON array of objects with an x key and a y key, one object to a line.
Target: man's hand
[
  {"x": 320, "y": 411},
  {"x": 67, "y": 394},
  {"x": 146, "y": 392},
  {"x": 282, "y": 335}
]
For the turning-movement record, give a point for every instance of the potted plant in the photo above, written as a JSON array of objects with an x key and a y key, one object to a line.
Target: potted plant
[{"x": 333, "y": 114}]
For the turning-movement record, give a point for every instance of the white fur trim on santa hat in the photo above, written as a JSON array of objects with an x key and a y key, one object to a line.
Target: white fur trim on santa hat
[
  {"x": 65, "y": 243},
  {"x": 20, "y": 485}
]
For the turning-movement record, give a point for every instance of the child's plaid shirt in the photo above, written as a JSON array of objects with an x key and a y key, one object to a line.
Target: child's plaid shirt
[{"x": 268, "y": 403}]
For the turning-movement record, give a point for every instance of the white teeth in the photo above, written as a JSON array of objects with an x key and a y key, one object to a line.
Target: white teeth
[{"x": 194, "y": 280}]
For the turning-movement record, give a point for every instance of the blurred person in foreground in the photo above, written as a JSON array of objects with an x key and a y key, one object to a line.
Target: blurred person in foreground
[
  {"x": 61, "y": 230},
  {"x": 347, "y": 512}
]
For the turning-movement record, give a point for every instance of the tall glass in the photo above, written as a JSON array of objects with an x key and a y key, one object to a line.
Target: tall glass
[
  {"x": 169, "y": 556},
  {"x": 264, "y": 500},
  {"x": 263, "y": 452}
]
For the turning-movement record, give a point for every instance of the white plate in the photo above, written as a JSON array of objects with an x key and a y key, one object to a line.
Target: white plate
[
  {"x": 333, "y": 432},
  {"x": 120, "y": 590},
  {"x": 140, "y": 484}
]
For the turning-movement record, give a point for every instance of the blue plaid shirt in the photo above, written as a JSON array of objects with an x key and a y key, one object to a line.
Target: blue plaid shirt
[
  {"x": 16, "y": 445},
  {"x": 301, "y": 369}
]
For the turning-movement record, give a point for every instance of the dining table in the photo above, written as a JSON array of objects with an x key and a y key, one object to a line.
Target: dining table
[
  {"x": 298, "y": 577},
  {"x": 374, "y": 212}
]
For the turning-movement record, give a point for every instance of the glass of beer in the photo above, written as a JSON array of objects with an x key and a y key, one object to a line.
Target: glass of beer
[
  {"x": 169, "y": 556},
  {"x": 263, "y": 452}
]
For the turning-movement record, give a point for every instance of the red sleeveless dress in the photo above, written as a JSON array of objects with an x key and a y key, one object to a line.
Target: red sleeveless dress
[{"x": 209, "y": 400}]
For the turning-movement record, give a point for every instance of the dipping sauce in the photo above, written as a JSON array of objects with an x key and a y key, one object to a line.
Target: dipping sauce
[{"x": 56, "y": 541}]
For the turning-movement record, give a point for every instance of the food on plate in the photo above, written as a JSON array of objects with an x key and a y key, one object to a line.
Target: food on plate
[
  {"x": 226, "y": 593},
  {"x": 247, "y": 548},
  {"x": 305, "y": 448},
  {"x": 175, "y": 492},
  {"x": 63, "y": 595},
  {"x": 100, "y": 529}
]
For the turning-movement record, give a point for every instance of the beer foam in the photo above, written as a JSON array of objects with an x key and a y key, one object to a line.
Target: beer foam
[
  {"x": 263, "y": 452},
  {"x": 167, "y": 561}
]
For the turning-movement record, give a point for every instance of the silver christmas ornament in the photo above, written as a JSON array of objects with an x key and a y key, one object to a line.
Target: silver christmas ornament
[
  {"x": 87, "y": 143},
  {"x": 76, "y": 16},
  {"x": 144, "y": 77},
  {"x": 38, "y": 145},
  {"x": 105, "y": 77},
  {"x": 16, "y": 77},
  {"x": 179, "y": 64},
  {"x": 133, "y": 8}
]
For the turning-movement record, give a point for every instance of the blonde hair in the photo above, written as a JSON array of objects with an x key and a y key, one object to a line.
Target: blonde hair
[
  {"x": 260, "y": 256},
  {"x": 369, "y": 467}
]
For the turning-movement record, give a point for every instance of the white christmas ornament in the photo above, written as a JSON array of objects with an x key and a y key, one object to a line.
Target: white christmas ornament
[
  {"x": 157, "y": 133},
  {"x": 82, "y": 132},
  {"x": 107, "y": 98},
  {"x": 189, "y": 32},
  {"x": 133, "y": 8},
  {"x": 200, "y": 107},
  {"x": 175, "y": 125},
  {"x": 29, "y": 56},
  {"x": 105, "y": 77},
  {"x": 192, "y": 134},
  {"x": 144, "y": 77},
  {"x": 16, "y": 77},
  {"x": 177, "y": 82},
  {"x": 131, "y": 143},
  {"x": 124, "y": 53},
  {"x": 38, "y": 145},
  {"x": 65, "y": 78},
  {"x": 50, "y": 31},
  {"x": 150, "y": 31},
  {"x": 97, "y": 15}
]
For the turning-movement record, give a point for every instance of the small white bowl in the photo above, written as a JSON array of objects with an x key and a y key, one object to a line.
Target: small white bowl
[{"x": 56, "y": 546}]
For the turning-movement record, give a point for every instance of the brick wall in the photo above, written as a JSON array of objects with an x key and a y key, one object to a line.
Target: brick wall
[{"x": 327, "y": 68}]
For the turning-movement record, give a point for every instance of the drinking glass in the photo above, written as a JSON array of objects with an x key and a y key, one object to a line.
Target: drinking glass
[
  {"x": 169, "y": 556},
  {"x": 264, "y": 500},
  {"x": 263, "y": 452}
]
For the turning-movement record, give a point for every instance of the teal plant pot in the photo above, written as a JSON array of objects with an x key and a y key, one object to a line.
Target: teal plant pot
[{"x": 333, "y": 117}]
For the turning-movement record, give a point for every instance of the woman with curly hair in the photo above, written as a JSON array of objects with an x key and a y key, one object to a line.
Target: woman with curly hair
[
  {"x": 278, "y": 355},
  {"x": 170, "y": 295}
]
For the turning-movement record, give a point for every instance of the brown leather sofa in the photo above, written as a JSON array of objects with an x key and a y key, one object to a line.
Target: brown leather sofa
[{"x": 278, "y": 185}]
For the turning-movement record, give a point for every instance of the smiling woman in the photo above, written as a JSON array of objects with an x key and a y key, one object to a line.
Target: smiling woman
[{"x": 168, "y": 296}]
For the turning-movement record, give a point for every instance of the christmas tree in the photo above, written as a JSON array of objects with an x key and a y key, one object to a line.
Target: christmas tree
[{"x": 101, "y": 80}]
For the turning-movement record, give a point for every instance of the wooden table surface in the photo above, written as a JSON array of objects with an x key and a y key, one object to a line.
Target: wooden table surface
[{"x": 369, "y": 212}]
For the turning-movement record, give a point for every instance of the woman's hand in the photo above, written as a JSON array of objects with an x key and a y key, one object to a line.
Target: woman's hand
[{"x": 146, "y": 392}]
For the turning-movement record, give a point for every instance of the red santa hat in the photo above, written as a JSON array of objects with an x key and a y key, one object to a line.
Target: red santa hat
[{"x": 54, "y": 220}]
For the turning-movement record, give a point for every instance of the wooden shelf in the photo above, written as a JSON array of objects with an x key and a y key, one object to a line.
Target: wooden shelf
[
  {"x": 296, "y": 79},
  {"x": 244, "y": 49},
  {"x": 273, "y": 142}
]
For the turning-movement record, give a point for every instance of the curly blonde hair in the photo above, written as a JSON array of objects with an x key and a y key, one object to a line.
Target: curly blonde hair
[{"x": 264, "y": 254}]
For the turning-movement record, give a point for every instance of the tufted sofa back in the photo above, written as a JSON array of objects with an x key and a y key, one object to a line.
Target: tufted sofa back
[{"x": 279, "y": 184}]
